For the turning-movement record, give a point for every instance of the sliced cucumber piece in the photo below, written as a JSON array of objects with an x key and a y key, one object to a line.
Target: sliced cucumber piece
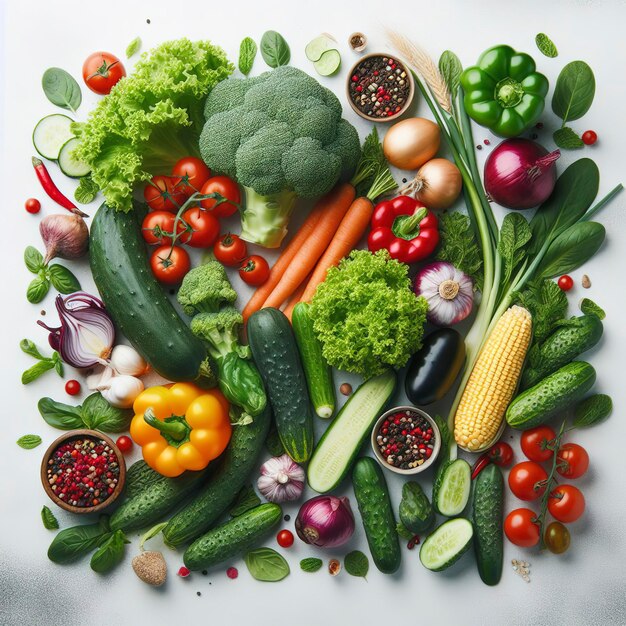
[
  {"x": 328, "y": 63},
  {"x": 50, "y": 134},
  {"x": 446, "y": 545},
  {"x": 316, "y": 48},
  {"x": 68, "y": 164},
  {"x": 452, "y": 488}
]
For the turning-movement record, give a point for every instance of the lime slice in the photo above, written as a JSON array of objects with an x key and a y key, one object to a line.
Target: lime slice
[
  {"x": 328, "y": 63},
  {"x": 316, "y": 48}
]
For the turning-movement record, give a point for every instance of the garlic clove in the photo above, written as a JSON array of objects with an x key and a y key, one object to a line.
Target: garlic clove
[
  {"x": 100, "y": 379},
  {"x": 122, "y": 391},
  {"x": 126, "y": 360}
]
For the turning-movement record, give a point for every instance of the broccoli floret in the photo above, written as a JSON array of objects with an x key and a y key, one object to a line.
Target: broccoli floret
[
  {"x": 220, "y": 331},
  {"x": 205, "y": 288}
]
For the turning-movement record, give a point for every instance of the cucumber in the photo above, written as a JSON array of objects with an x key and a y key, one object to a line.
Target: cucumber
[
  {"x": 235, "y": 466},
  {"x": 232, "y": 538},
  {"x": 68, "y": 164},
  {"x": 447, "y": 544},
  {"x": 487, "y": 517},
  {"x": 372, "y": 496},
  {"x": 136, "y": 301},
  {"x": 554, "y": 393},
  {"x": 138, "y": 476},
  {"x": 452, "y": 486},
  {"x": 276, "y": 354},
  {"x": 319, "y": 376},
  {"x": 51, "y": 134},
  {"x": 416, "y": 511},
  {"x": 343, "y": 439}
]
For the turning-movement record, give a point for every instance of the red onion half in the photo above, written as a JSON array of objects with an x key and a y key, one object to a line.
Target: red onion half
[
  {"x": 520, "y": 174},
  {"x": 325, "y": 521}
]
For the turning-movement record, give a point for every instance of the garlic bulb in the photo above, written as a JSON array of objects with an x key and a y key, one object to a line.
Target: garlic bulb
[
  {"x": 281, "y": 479},
  {"x": 121, "y": 391},
  {"x": 126, "y": 360}
]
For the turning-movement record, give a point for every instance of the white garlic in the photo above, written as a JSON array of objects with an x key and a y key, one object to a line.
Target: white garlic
[
  {"x": 121, "y": 391},
  {"x": 281, "y": 480},
  {"x": 126, "y": 360}
]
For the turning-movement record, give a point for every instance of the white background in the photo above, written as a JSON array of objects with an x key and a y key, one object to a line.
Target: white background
[{"x": 584, "y": 586}]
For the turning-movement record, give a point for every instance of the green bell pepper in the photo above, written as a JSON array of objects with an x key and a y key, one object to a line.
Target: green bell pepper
[{"x": 504, "y": 92}]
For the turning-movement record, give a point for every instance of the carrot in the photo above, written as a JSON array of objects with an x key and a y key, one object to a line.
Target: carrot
[
  {"x": 346, "y": 238},
  {"x": 336, "y": 204},
  {"x": 295, "y": 298}
]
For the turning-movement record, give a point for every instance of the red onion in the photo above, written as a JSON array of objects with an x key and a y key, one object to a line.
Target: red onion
[
  {"x": 325, "y": 521},
  {"x": 520, "y": 174},
  {"x": 86, "y": 334}
]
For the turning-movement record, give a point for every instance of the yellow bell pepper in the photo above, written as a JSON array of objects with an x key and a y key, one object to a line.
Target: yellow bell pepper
[{"x": 180, "y": 427}]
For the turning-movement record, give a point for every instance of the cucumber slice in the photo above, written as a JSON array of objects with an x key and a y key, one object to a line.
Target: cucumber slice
[
  {"x": 452, "y": 488},
  {"x": 50, "y": 134},
  {"x": 447, "y": 544},
  {"x": 328, "y": 63},
  {"x": 316, "y": 48},
  {"x": 68, "y": 164}
]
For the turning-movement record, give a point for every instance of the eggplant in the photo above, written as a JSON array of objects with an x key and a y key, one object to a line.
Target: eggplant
[{"x": 433, "y": 369}]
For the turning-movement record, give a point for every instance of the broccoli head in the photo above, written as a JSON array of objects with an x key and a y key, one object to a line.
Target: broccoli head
[
  {"x": 220, "y": 331},
  {"x": 205, "y": 288}
]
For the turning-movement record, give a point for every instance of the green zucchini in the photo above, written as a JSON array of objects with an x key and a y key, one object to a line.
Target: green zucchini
[
  {"x": 451, "y": 489},
  {"x": 232, "y": 538},
  {"x": 221, "y": 489},
  {"x": 343, "y": 439},
  {"x": 319, "y": 376},
  {"x": 416, "y": 512},
  {"x": 554, "y": 393},
  {"x": 487, "y": 517},
  {"x": 276, "y": 355},
  {"x": 372, "y": 496},
  {"x": 447, "y": 544},
  {"x": 136, "y": 301}
]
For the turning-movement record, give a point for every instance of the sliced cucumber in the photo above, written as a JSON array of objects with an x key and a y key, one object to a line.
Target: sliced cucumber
[
  {"x": 447, "y": 544},
  {"x": 68, "y": 164},
  {"x": 452, "y": 488},
  {"x": 51, "y": 134},
  {"x": 316, "y": 48},
  {"x": 328, "y": 63}
]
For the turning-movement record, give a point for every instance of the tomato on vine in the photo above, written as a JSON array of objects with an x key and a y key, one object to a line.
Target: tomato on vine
[
  {"x": 572, "y": 460},
  {"x": 566, "y": 503},
  {"x": 535, "y": 443},
  {"x": 521, "y": 528},
  {"x": 157, "y": 227},
  {"x": 204, "y": 228},
  {"x": 226, "y": 188},
  {"x": 557, "y": 538},
  {"x": 527, "y": 480},
  {"x": 191, "y": 174},
  {"x": 162, "y": 194},
  {"x": 169, "y": 264}
]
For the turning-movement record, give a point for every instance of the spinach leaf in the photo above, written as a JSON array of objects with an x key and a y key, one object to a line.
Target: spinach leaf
[
  {"x": 546, "y": 46},
  {"x": 451, "y": 70},
  {"x": 62, "y": 279},
  {"x": 59, "y": 415},
  {"x": 34, "y": 372},
  {"x": 28, "y": 442},
  {"x": 274, "y": 49},
  {"x": 37, "y": 289},
  {"x": 567, "y": 139},
  {"x": 514, "y": 235},
  {"x": 266, "y": 564},
  {"x": 547, "y": 304},
  {"x": 133, "y": 47},
  {"x": 28, "y": 347},
  {"x": 589, "y": 307},
  {"x": 246, "y": 499},
  {"x": 50, "y": 522},
  {"x": 98, "y": 414},
  {"x": 61, "y": 89},
  {"x": 109, "y": 554},
  {"x": 247, "y": 54},
  {"x": 592, "y": 410},
  {"x": 356, "y": 563},
  {"x": 86, "y": 190},
  {"x": 574, "y": 91},
  {"x": 72, "y": 543},
  {"x": 311, "y": 564},
  {"x": 33, "y": 259}
]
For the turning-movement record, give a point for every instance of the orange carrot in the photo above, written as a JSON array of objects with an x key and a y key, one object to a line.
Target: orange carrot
[
  {"x": 336, "y": 205},
  {"x": 346, "y": 238}
]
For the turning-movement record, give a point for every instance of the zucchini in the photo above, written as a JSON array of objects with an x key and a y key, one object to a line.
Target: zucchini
[
  {"x": 447, "y": 544},
  {"x": 372, "y": 496},
  {"x": 51, "y": 133},
  {"x": 554, "y": 393},
  {"x": 235, "y": 466},
  {"x": 319, "y": 376},
  {"x": 276, "y": 354},
  {"x": 343, "y": 439},
  {"x": 487, "y": 518},
  {"x": 68, "y": 164},
  {"x": 136, "y": 301},
  {"x": 451, "y": 489},
  {"x": 232, "y": 538},
  {"x": 416, "y": 512}
]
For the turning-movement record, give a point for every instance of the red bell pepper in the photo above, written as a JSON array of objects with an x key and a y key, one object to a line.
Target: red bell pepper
[{"x": 406, "y": 228}]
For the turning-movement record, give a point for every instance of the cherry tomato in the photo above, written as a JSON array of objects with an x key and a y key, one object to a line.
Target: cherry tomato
[
  {"x": 230, "y": 250},
  {"x": 169, "y": 265},
  {"x": 525, "y": 480},
  {"x": 154, "y": 226},
  {"x": 191, "y": 173},
  {"x": 124, "y": 443},
  {"x": 254, "y": 270},
  {"x": 500, "y": 454},
  {"x": 204, "y": 225},
  {"x": 589, "y": 137},
  {"x": 225, "y": 187},
  {"x": 556, "y": 537},
  {"x": 521, "y": 528},
  {"x": 572, "y": 460},
  {"x": 102, "y": 71},
  {"x": 32, "y": 205},
  {"x": 162, "y": 194},
  {"x": 72, "y": 387},
  {"x": 565, "y": 283},
  {"x": 566, "y": 503},
  {"x": 534, "y": 441},
  {"x": 285, "y": 538}
]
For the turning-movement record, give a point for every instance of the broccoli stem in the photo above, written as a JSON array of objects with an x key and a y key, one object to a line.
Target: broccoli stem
[{"x": 265, "y": 218}]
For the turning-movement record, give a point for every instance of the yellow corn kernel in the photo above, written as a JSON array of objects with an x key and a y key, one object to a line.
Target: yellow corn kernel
[{"x": 493, "y": 381}]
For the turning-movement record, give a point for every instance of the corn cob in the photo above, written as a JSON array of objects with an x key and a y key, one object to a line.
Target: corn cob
[{"x": 479, "y": 418}]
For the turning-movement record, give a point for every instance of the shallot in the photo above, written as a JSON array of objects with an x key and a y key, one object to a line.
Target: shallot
[{"x": 65, "y": 236}]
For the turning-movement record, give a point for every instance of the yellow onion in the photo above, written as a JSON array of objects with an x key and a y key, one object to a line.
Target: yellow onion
[
  {"x": 410, "y": 143},
  {"x": 437, "y": 184}
]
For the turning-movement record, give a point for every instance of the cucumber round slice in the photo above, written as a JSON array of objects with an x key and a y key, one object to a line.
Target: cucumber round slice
[
  {"x": 328, "y": 64},
  {"x": 452, "y": 490},
  {"x": 447, "y": 544},
  {"x": 68, "y": 164},
  {"x": 316, "y": 48},
  {"x": 50, "y": 134}
]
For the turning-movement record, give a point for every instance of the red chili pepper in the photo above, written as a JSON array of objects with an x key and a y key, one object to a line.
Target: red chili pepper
[
  {"x": 52, "y": 190},
  {"x": 481, "y": 464},
  {"x": 406, "y": 228}
]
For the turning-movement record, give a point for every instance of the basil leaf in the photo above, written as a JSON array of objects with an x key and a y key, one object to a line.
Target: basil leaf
[
  {"x": 109, "y": 554},
  {"x": 592, "y": 410},
  {"x": 62, "y": 279},
  {"x": 311, "y": 564},
  {"x": 133, "y": 47},
  {"x": 28, "y": 347},
  {"x": 59, "y": 415},
  {"x": 58, "y": 364},
  {"x": 28, "y": 442},
  {"x": 514, "y": 235},
  {"x": 356, "y": 563},
  {"x": 574, "y": 91},
  {"x": 61, "y": 88},
  {"x": 246, "y": 499},
  {"x": 33, "y": 259},
  {"x": 49, "y": 521},
  {"x": 274, "y": 49},
  {"x": 266, "y": 564},
  {"x": 247, "y": 54},
  {"x": 98, "y": 414},
  {"x": 546, "y": 46},
  {"x": 37, "y": 290},
  {"x": 567, "y": 139},
  {"x": 72, "y": 543},
  {"x": 34, "y": 372},
  {"x": 273, "y": 443},
  {"x": 451, "y": 70},
  {"x": 86, "y": 190},
  {"x": 589, "y": 307}
]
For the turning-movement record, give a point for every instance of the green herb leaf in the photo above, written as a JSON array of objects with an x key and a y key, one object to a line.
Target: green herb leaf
[
  {"x": 98, "y": 414},
  {"x": 59, "y": 415},
  {"x": 567, "y": 139},
  {"x": 86, "y": 191},
  {"x": 247, "y": 53},
  {"x": 273, "y": 443},
  {"x": 37, "y": 290},
  {"x": 49, "y": 521},
  {"x": 546, "y": 46},
  {"x": 589, "y": 307},
  {"x": 133, "y": 47},
  {"x": 150, "y": 534},
  {"x": 547, "y": 305},
  {"x": 109, "y": 554},
  {"x": 62, "y": 279},
  {"x": 72, "y": 543},
  {"x": 451, "y": 70},
  {"x": 34, "y": 372},
  {"x": 356, "y": 564},
  {"x": 246, "y": 499},
  {"x": 58, "y": 364},
  {"x": 33, "y": 259},
  {"x": 61, "y": 89},
  {"x": 311, "y": 564},
  {"x": 28, "y": 442},
  {"x": 574, "y": 91},
  {"x": 514, "y": 235},
  {"x": 592, "y": 410},
  {"x": 266, "y": 564},
  {"x": 274, "y": 49},
  {"x": 28, "y": 347}
]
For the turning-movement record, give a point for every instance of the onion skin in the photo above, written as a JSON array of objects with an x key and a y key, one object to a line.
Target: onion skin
[
  {"x": 411, "y": 143},
  {"x": 325, "y": 521},
  {"x": 65, "y": 236}
]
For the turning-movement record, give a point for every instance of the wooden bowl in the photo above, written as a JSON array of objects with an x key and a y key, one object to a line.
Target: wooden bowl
[{"x": 69, "y": 436}]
